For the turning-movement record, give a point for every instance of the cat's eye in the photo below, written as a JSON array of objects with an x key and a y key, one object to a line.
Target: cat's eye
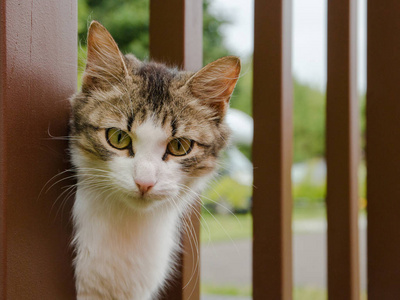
[
  {"x": 118, "y": 138},
  {"x": 180, "y": 146}
]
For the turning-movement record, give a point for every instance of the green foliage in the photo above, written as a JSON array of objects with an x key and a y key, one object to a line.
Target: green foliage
[
  {"x": 213, "y": 46},
  {"x": 362, "y": 182},
  {"x": 241, "y": 97},
  {"x": 246, "y": 150},
  {"x": 82, "y": 52},
  {"x": 128, "y": 23},
  {"x": 363, "y": 120},
  {"x": 83, "y": 12},
  {"x": 308, "y": 122},
  {"x": 307, "y": 191},
  {"x": 229, "y": 192}
]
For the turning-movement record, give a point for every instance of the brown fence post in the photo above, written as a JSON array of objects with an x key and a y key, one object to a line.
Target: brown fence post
[
  {"x": 383, "y": 149},
  {"x": 176, "y": 30},
  {"x": 342, "y": 151},
  {"x": 272, "y": 151},
  {"x": 38, "y": 65}
]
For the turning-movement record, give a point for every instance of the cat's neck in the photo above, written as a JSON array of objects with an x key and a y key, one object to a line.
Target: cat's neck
[{"x": 129, "y": 251}]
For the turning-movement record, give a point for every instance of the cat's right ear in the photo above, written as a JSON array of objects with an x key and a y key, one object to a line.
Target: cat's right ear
[{"x": 105, "y": 63}]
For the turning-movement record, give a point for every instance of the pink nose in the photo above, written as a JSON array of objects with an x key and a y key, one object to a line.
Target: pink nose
[{"x": 144, "y": 186}]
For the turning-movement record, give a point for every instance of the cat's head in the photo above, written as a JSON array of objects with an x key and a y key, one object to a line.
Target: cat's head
[{"x": 144, "y": 133}]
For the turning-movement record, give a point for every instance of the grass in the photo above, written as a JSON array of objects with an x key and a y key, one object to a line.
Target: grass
[
  {"x": 299, "y": 293},
  {"x": 226, "y": 290},
  {"x": 310, "y": 211},
  {"x": 225, "y": 227},
  {"x": 216, "y": 228}
]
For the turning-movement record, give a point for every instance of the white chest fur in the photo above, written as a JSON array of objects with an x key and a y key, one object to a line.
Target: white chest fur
[{"x": 121, "y": 254}]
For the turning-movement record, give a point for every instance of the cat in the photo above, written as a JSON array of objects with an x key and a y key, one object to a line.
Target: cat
[{"x": 145, "y": 140}]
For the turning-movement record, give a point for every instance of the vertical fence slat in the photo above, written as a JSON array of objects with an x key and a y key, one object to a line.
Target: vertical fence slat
[
  {"x": 38, "y": 65},
  {"x": 342, "y": 152},
  {"x": 176, "y": 39},
  {"x": 272, "y": 154},
  {"x": 383, "y": 149}
]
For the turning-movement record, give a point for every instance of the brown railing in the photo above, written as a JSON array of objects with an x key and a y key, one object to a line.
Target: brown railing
[
  {"x": 342, "y": 152},
  {"x": 383, "y": 148},
  {"x": 38, "y": 74},
  {"x": 272, "y": 150},
  {"x": 38, "y": 65}
]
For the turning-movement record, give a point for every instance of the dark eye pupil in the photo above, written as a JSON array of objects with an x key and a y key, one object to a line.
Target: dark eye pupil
[
  {"x": 179, "y": 145},
  {"x": 119, "y": 136}
]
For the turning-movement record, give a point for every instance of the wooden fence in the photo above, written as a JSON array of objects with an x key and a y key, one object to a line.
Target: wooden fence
[{"x": 38, "y": 57}]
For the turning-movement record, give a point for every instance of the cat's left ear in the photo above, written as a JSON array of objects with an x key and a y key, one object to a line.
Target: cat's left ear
[
  {"x": 105, "y": 62},
  {"x": 215, "y": 83}
]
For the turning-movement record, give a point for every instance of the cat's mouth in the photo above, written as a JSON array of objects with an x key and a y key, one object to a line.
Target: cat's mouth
[
  {"x": 144, "y": 196},
  {"x": 148, "y": 197},
  {"x": 144, "y": 201}
]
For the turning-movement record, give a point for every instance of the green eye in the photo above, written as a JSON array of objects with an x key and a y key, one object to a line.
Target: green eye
[
  {"x": 118, "y": 138},
  {"x": 180, "y": 146}
]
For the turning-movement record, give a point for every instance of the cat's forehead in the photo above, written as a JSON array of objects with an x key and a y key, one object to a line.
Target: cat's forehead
[
  {"x": 155, "y": 81},
  {"x": 150, "y": 129}
]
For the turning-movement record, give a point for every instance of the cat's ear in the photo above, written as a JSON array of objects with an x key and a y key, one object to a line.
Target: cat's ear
[
  {"x": 214, "y": 83},
  {"x": 105, "y": 63}
]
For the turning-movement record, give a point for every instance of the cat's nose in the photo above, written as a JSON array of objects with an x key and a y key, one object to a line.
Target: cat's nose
[{"x": 144, "y": 186}]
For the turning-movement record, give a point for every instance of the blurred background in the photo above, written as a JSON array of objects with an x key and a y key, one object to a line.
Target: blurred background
[{"x": 226, "y": 211}]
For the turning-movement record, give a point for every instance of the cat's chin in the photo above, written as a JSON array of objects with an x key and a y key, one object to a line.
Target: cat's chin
[{"x": 145, "y": 203}]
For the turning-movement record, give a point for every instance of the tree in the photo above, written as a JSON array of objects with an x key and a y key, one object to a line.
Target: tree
[
  {"x": 128, "y": 23},
  {"x": 308, "y": 122}
]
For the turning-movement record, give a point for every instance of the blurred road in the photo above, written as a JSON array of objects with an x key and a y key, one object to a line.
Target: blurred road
[{"x": 229, "y": 263}]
